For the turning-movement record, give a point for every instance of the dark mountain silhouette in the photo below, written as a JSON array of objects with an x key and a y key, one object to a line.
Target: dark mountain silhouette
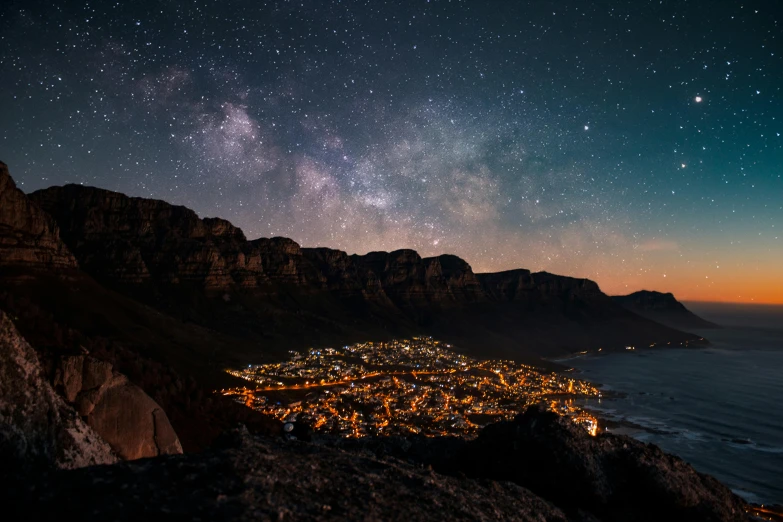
[
  {"x": 664, "y": 309},
  {"x": 170, "y": 299},
  {"x": 64, "y": 313},
  {"x": 206, "y": 272}
]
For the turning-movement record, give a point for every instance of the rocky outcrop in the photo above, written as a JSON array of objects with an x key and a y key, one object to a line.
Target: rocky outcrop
[
  {"x": 37, "y": 429},
  {"x": 263, "y": 479},
  {"x": 286, "y": 263},
  {"x": 663, "y": 308},
  {"x": 131, "y": 240},
  {"x": 614, "y": 478},
  {"x": 401, "y": 277},
  {"x": 456, "y": 276},
  {"x": 411, "y": 282},
  {"x": 29, "y": 238},
  {"x": 118, "y": 410},
  {"x": 605, "y": 477},
  {"x": 537, "y": 467}
]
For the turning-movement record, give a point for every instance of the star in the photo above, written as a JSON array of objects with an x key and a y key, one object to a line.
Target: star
[{"x": 338, "y": 135}]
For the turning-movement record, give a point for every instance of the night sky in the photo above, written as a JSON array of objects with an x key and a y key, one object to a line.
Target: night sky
[{"x": 635, "y": 143}]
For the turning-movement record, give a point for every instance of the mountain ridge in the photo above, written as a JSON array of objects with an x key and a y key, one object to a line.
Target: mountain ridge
[
  {"x": 29, "y": 237},
  {"x": 165, "y": 296},
  {"x": 166, "y": 256},
  {"x": 664, "y": 308}
]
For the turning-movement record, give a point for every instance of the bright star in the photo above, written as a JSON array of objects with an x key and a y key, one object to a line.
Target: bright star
[{"x": 698, "y": 99}]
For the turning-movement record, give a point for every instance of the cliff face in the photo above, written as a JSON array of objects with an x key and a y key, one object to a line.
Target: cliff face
[
  {"x": 29, "y": 237},
  {"x": 133, "y": 240},
  {"x": 205, "y": 271},
  {"x": 663, "y": 308},
  {"x": 411, "y": 281},
  {"x": 544, "y": 289}
]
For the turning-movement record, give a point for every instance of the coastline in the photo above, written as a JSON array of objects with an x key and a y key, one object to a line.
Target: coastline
[
  {"x": 699, "y": 405},
  {"x": 700, "y": 343}
]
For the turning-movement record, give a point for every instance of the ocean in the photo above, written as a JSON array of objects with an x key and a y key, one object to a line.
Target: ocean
[{"x": 720, "y": 408}]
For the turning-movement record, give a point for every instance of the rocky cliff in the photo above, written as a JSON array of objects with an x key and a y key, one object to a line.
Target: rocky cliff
[
  {"x": 29, "y": 237},
  {"x": 205, "y": 271},
  {"x": 544, "y": 289},
  {"x": 663, "y": 308},
  {"x": 132, "y": 240},
  {"x": 133, "y": 424},
  {"x": 38, "y": 430}
]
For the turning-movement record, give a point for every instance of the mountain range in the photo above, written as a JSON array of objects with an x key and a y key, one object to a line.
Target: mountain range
[
  {"x": 119, "y": 314},
  {"x": 151, "y": 284},
  {"x": 206, "y": 272},
  {"x": 663, "y": 308}
]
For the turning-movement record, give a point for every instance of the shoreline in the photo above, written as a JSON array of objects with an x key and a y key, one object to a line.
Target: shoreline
[
  {"x": 700, "y": 343},
  {"x": 649, "y": 418},
  {"x": 610, "y": 426}
]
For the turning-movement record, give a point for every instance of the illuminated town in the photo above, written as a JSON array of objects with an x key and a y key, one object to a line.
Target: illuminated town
[{"x": 410, "y": 386}]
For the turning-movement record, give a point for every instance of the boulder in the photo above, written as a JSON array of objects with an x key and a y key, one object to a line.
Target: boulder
[
  {"x": 131, "y": 422},
  {"x": 38, "y": 430}
]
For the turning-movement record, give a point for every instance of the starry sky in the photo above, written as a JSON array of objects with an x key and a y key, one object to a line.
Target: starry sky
[{"x": 637, "y": 143}]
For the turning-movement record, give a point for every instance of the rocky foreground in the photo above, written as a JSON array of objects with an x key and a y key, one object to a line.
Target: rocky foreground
[
  {"x": 535, "y": 468},
  {"x": 256, "y": 479}
]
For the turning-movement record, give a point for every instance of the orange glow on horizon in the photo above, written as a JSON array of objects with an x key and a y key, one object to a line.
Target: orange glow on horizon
[
  {"x": 733, "y": 287},
  {"x": 752, "y": 275}
]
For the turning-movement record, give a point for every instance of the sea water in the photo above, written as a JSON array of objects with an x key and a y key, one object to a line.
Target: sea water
[{"x": 719, "y": 408}]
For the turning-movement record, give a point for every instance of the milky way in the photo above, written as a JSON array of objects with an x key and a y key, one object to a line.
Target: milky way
[{"x": 635, "y": 143}]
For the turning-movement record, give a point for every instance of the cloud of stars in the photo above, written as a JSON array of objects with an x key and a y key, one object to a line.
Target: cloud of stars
[{"x": 637, "y": 144}]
